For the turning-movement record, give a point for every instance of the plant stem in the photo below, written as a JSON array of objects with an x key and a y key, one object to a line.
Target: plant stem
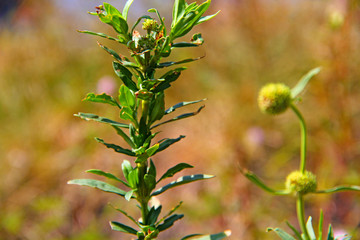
[
  {"x": 301, "y": 215},
  {"x": 142, "y": 193},
  {"x": 303, "y": 138}
]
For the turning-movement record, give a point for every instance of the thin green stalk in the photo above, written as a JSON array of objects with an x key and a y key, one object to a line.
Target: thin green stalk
[
  {"x": 303, "y": 138},
  {"x": 301, "y": 215}
]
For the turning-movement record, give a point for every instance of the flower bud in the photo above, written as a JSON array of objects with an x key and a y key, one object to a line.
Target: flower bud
[
  {"x": 298, "y": 182},
  {"x": 274, "y": 98},
  {"x": 150, "y": 25}
]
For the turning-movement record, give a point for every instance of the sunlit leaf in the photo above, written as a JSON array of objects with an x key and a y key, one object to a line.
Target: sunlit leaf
[
  {"x": 107, "y": 175},
  {"x": 300, "y": 86},
  {"x": 281, "y": 233},
  {"x": 182, "y": 116},
  {"x": 253, "y": 178},
  {"x": 99, "y": 34},
  {"x": 310, "y": 229},
  {"x": 90, "y": 116},
  {"x": 217, "y": 236},
  {"x": 122, "y": 228},
  {"x": 330, "y": 235},
  {"x": 126, "y": 8},
  {"x": 172, "y": 171},
  {"x": 182, "y": 104},
  {"x": 206, "y": 18},
  {"x": 101, "y": 98},
  {"x": 116, "y": 148},
  {"x": 129, "y": 194},
  {"x": 181, "y": 181},
  {"x": 103, "y": 186}
]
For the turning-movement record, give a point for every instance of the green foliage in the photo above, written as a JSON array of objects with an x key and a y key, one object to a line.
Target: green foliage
[{"x": 141, "y": 101}]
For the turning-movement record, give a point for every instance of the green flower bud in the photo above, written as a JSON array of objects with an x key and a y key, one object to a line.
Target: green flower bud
[
  {"x": 274, "y": 98},
  {"x": 150, "y": 25},
  {"x": 146, "y": 43},
  {"x": 336, "y": 20},
  {"x": 298, "y": 182}
]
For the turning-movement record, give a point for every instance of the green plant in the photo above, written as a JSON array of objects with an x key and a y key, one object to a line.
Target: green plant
[
  {"x": 141, "y": 102},
  {"x": 276, "y": 99}
]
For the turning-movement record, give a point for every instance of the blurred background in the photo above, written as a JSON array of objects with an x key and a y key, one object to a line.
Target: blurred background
[{"x": 46, "y": 68}]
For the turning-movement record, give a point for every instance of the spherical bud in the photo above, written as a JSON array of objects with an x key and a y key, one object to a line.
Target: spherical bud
[
  {"x": 298, "y": 182},
  {"x": 146, "y": 43},
  {"x": 274, "y": 98},
  {"x": 150, "y": 25}
]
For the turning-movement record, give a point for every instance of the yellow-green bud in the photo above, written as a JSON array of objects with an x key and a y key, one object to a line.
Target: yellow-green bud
[
  {"x": 150, "y": 25},
  {"x": 336, "y": 19},
  {"x": 298, "y": 182},
  {"x": 274, "y": 98}
]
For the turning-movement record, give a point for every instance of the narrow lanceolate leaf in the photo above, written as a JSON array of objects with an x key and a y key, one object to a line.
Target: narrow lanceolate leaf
[
  {"x": 217, "y": 236},
  {"x": 296, "y": 232},
  {"x": 281, "y": 233},
  {"x": 167, "y": 142},
  {"x": 172, "y": 171},
  {"x": 125, "y": 214},
  {"x": 168, "y": 78},
  {"x": 182, "y": 104},
  {"x": 168, "y": 64},
  {"x": 126, "y": 9},
  {"x": 99, "y": 34},
  {"x": 90, "y": 116},
  {"x": 252, "y": 177},
  {"x": 129, "y": 194},
  {"x": 186, "y": 115},
  {"x": 330, "y": 235},
  {"x": 116, "y": 148},
  {"x": 169, "y": 222},
  {"x": 184, "y": 44},
  {"x": 169, "y": 213},
  {"x": 300, "y": 86},
  {"x": 206, "y": 18},
  {"x": 320, "y": 227},
  {"x": 101, "y": 98},
  {"x": 178, "y": 11},
  {"x": 124, "y": 136},
  {"x": 153, "y": 215},
  {"x": 339, "y": 189},
  {"x": 310, "y": 229},
  {"x": 103, "y": 186},
  {"x": 116, "y": 226},
  {"x": 107, "y": 175},
  {"x": 125, "y": 75},
  {"x": 181, "y": 181},
  {"x": 118, "y": 58}
]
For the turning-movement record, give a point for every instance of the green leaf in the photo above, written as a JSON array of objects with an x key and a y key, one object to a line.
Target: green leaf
[
  {"x": 125, "y": 75},
  {"x": 181, "y": 181},
  {"x": 133, "y": 178},
  {"x": 169, "y": 213},
  {"x": 330, "y": 235},
  {"x": 122, "y": 228},
  {"x": 339, "y": 189},
  {"x": 152, "y": 150},
  {"x": 124, "y": 136},
  {"x": 126, "y": 214},
  {"x": 281, "y": 233},
  {"x": 138, "y": 21},
  {"x": 178, "y": 11},
  {"x": 115, "y": 19},
  {"x": 118, "y": 57},
  {"x": 90, "y": 116},
  {"x": 172, "y": 171},
  {"x": 152, "y": 169},
  {"x": 253, "y": 178},
  {"x": 153, "y": 215},
  {"x": 99, "y": 34},
  {"x": 303, "y": 82},
  {"x": 206, "y": 18},
  {"x": 182, "y": 104},
  {"x": 107, "y": 175},
  {"x": 157, "y": 108},
  {"x": 169, "y": 222},
  {"x": 126, "y": 168},
  {"x": 101, "y": 98},
  {"x": 296, "y": 232},
  {"x": 103, "y": 186},
  {"x": 169, "y": 77},
  {"x": 321, "y": 220},
  {"x": 217, "y": 236},
  {"x": 310, "y": 229},
  {"x": 126, "y": 9},
  {"x": 169, "y": 64},
  {"x": 165, "y": 143},
  {"x": 127, "y": 97},
  {"x": 183, "y": 45},
  {"x": 150, "y": 182},
  {"x": 129, "y": 194},
  {"x": 182, "y": 116},
  {"x": 127, "y": 113},
  {"x": 116, "y": 148}
]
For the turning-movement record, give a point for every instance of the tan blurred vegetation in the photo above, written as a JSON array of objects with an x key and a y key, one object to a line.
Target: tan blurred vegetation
[{"x": 46, "y": 68}]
